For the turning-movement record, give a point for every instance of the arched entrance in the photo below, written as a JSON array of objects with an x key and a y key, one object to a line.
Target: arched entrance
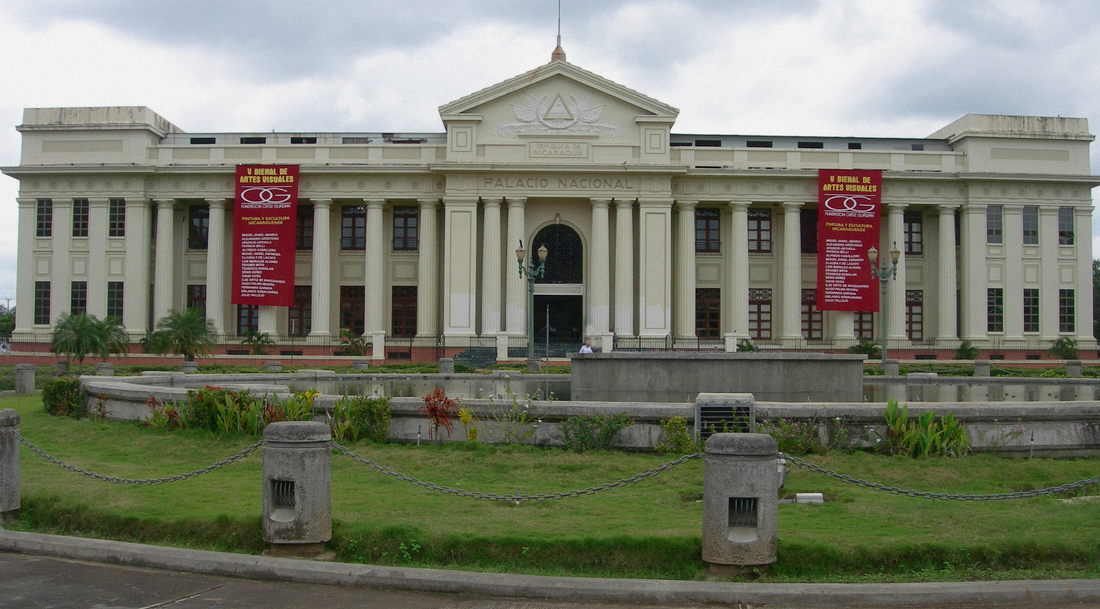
[{"x": 559, "y": 294}]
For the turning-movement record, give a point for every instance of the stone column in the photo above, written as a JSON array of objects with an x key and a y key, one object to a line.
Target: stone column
[
  {"x": 1012, "y": 280},
  {"x": 599, "y": 276},
  {"x": 490, "y": 269},
  {"x": 61, "y": 263},
  {"x": 972, "y": 259},
  {"x": 26, "y": 265},
  {"x": 135, "y": 289},
  {"x": 740, "y": 505},
  {"x": 98, "y": 270},
  {"x": 737, "y": 271},
  {"x": 320, "y": 329},
  {"x": 375, "y": 280},
  {"x": 896, "y": 297},
  {"x": 624, "y": 268},
  {"x": 844, "y": 330},
  {"x": 216, "y": 270},
  {"x": 164, "y": 273},
  {"x": 684, "y": 279},
  {"x": 427, "y": 311},
  {"x": 654, "y": 267},
  {"x": 946, "y": 301},
  {"x": 459, "y": 266},
  {"x": 792, "y": 276},
  {"x": 516, "y": 286}
]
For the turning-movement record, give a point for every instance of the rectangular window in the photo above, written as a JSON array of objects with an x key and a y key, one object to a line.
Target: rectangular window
[
  {"x": 198, "y": 231},
  {"x": 813, "y": 321},
  {"x": 42, "y": 303},
  {"x": 196, "y": 297},
  {"x": 406, "y": 228},
  {"x": 116, "y": 218},
  {"x": 301, "y": 312},
  {"x": 994, "y": 224},
  {"x": 44, "y": 218},
  {"x": 708, "y": 239},
  {"x": 403, "y": 309},
  {"x": 914, "y": 314},
  {"x": 80, "y": 217},
  {"x": 303, "y": 229},
  {"x": 115, "y": 299},
  {"x": 353, "y": 227},
  {"x": 760, "y": 231},
  {"x": 995, "y": 310},
  {"x": 352, "y": 302},
  {"x": 78, "y": 298},
  {"x": 864, "y": 325},
  {"x": 708, "y": 313},
  {"x": 914, "y": 233},
  {"x": 760, "y": 314},
  {"x": 1066, "y": 314},
  {"x": 1031, "y": 226},
  {"x": 1065, "y": 226},
  {"x": 807, "y": 221},
  {"x": 1031, "y": 309},
  {"x": 248, "y": 319}
]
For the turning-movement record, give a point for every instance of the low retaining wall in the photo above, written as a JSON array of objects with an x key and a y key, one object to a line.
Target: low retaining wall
[{"x": 1056, "y": 428}]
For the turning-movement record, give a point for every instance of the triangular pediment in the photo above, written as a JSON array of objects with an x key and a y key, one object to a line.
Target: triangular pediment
[
  {"x": 558, "y": 113},
  {"x": 568, "y": 71}
]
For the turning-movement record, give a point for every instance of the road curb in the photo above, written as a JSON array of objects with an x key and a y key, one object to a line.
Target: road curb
[{"x": 1045, "y": 592}]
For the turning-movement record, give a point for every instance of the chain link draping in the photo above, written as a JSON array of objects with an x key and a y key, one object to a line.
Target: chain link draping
[
  {"x": 893, "y": 490},
  {"x": 517, "y": 497},
  {"x": 101, "y": 477}
]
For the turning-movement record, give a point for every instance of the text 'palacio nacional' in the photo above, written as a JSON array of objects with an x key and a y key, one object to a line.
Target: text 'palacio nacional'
[{"x": 655, "y": 239}]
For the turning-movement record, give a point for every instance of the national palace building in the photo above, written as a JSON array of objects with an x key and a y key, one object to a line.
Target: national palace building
[{"x": 656, "y": 239}]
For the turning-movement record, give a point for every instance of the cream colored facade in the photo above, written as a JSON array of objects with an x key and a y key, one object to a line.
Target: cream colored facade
[{"x": 560, "y": 146}]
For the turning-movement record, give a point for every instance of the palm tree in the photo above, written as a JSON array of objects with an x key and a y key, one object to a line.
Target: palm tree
[
  {"x": 79, "y": 336},
  {"x": 257, "y": 342},
  {"x": 188, "y": 334}
]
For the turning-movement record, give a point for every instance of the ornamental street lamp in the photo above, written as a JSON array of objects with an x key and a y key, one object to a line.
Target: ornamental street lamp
[
  {"x": 532, "y": 271},
  {"x": 884, "y": 274}
]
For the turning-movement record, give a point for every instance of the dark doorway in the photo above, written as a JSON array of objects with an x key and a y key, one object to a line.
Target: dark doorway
[{"x": 566, "y": 323}]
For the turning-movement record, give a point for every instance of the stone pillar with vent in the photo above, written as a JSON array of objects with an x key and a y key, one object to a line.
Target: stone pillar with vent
[
  {"x": 9, "y": 461},
  {"x": 297, "y": 488},
  {"x": 740, "y": 501}
]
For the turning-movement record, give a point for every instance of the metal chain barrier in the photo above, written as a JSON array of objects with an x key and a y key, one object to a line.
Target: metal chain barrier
[
  {"x": 893, "y": 490},
  {"x": 101, "y": 477},
  {"x": 517, "y": 497}
]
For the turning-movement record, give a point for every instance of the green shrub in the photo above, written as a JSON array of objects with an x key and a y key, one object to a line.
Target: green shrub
[
  {"x": 746, "y": 345},
  {"x": 227, "y": 411},
  {"x": 966, "y": 351},
  {"x": 1064, "y": 348},
  {"x": 923, "y": 436},
  {"x": 62, "y": 397},
  {"x": 676, "y": 439},
  {"x": 866, "y": 347},
  {"x": 369, "y": 418},
  {"x": 793, "y": 437},
  {"x": 592, "y": 431}
]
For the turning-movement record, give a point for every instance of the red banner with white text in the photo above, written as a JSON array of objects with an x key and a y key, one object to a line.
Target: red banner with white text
[
  {"x": 264, "y": 222},
  {"x": 848, "y": 207}
]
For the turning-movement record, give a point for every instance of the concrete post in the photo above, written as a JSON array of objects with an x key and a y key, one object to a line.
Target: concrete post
[
  {"x": 360, "y": 364},
  {"x": 740, "y": 501},
  {"x": 62, "y": 367},
  {"x": 1073, "y": 367},
  {"x": 105, "y": 369},
  {"x": 189, "y": 367},
  {"x": 981, "y": 367},
  {"x": 891, "y": 368},
  {"x": 297, "y": 486},
  {"x": 447, "y": 365},
  {"x": 273, "y": 366},
  {"x": 9, "y": 461},
  {"x": 24, "y": 378}
]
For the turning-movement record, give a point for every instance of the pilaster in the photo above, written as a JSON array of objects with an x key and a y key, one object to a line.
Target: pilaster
[
  {"x": 654, "y": 267},
  {"x": 459, "y": 266},
  {"x": 624, "y": 268},
  {"x": 491, "y": 268},
  {"x": 98, "y": 267},
  {"x": 427, "y": 311}
]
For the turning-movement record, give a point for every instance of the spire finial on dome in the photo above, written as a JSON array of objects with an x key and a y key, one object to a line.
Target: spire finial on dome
[{"x": 559, "y": 53}]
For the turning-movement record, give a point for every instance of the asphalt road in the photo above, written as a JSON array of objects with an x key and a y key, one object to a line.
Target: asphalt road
[{"x": 35, "y": 582}]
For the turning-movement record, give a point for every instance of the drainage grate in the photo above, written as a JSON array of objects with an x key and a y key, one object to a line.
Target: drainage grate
[
  {"x": 282, "y": 493},
  {"x": 742, "y": 512}
]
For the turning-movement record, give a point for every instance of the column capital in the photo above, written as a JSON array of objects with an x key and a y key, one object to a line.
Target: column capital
[
  {"x": 792, "y": 205},
  {"x": 428, "y": 203},
  {"x": 491, "y": 202},
  {"x": 460, "y": 201},
  {"x": 374, "y": 203},
  {"x": 321, "y": 203},
  {"x": 217, "y": 203},
  {"x": 164, "y": 203},
  {"x": 624, "y": 203},
  {"x": 516, "y": 201},
  {"x": 601, "y": 202},
  {"x": 948, "y": 208},
  {"x": 739, "y": 205},
  {"x": 665, "y": 203},
  {"x": 98, "y": 200},
  {"x": 686, "y": 205},
  {"x": 896, "y": 208}
]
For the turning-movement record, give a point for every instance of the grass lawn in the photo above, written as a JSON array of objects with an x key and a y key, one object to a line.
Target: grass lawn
[{"x": 651, "y": 529}]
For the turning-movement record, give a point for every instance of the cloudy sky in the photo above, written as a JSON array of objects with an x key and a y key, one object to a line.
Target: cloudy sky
[{"x": 900, "y": 68}]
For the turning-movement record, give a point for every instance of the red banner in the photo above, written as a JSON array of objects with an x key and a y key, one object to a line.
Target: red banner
[
  {"x": 847, "y": 226},
  {"x": 264, "y": 222}
]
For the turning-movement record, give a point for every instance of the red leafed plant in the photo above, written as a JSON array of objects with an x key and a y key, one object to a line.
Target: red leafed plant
[{"x": 441, "y": 411}]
